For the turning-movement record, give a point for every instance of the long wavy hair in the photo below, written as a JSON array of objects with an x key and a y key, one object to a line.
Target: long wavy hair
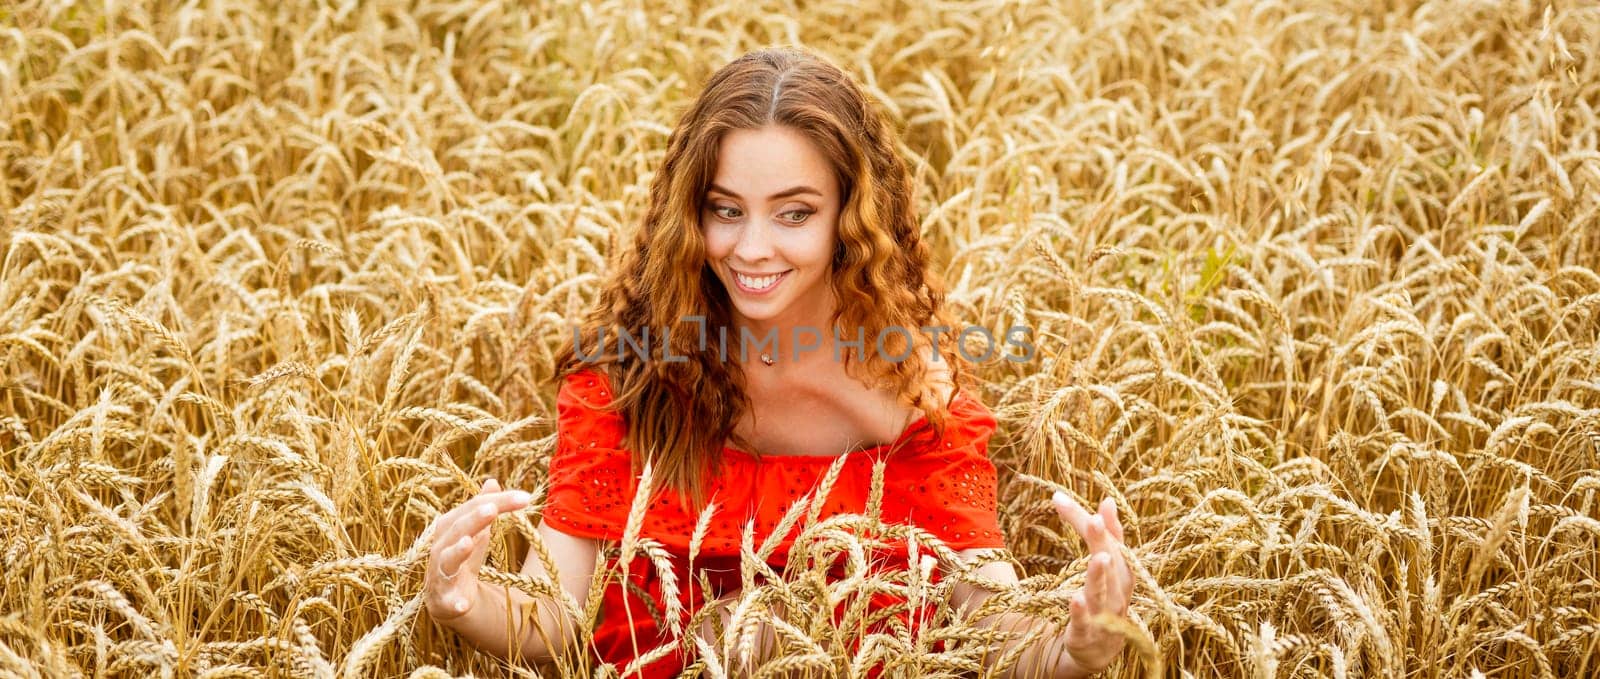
[{"x": 681, "y": 414}]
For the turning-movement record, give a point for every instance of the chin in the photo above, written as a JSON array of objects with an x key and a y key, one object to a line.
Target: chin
[{"x": 762, "y": 312}]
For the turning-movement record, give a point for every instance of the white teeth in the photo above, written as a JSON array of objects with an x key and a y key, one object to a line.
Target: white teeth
[{"x": 758, "y": 283}]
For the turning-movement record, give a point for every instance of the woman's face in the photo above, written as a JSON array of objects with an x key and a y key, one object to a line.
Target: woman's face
[{"x": 770, "y": 223}]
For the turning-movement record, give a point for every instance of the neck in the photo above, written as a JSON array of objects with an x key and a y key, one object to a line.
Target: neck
[{"x": 802, "y": 330}]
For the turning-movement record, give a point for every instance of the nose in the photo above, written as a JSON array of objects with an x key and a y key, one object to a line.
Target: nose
[{"x": 755, "y": 243}]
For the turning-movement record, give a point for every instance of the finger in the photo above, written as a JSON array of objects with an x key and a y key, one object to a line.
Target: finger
[
  {"x": 1108, "y": 512},
  {"x": 446, "y": 602},
  {"x": 450, "y": 528},
  {"x": 449, "y": 517},
  {"x": 480, "y": 549},
  {"x": 1069, "y": 509},
  {"x": 1120, "y": 583},
  {"x": 505, "y": 500},
  {"x": 481, "y": 537},
  {"x": 476, "y": 521},
  {"x": 1098, "y": 538},
  {"x": 1081, "y": 630},
  {"x": 478, "y": 544},
  {"x": 451, "y": 558},
  {"x": 1122, "y": 572},
  {"x": 1103, "y": 540},
  {"x": 1107, "y": 537},
  {"x": 1116, "y": 592},
  {"x": 1125, "y": 595},
  {"x": 1078, "y": 628},
  {"x": 489, "y": 485},
  {"x": 481, "y": 511},
  {"x": 442, "y": 523},
  {"x": 446, "y": 521},
  {"x": 1113, "y": 588},
  {"x": 453, "y": 597},
  {"x": 483, "y": 518},
  {"x": 475, "y": 553},
  {"x": 476, "y": 518},
  {"x": 1094, "y": 587}
]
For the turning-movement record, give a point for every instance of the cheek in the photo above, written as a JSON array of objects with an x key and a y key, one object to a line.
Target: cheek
[
  {"x": 717, "y": 242},
  {"x": 823, "y": 242},
  {"x": 807, "y": 246}
]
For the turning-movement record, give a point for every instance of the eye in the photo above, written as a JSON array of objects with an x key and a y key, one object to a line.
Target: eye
[
  {"x": 797, "y": 216},
  {"x": 725, "y": 211}
]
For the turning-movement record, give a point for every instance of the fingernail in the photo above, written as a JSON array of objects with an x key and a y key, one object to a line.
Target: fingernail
[
  {"x": 521, "y": 497},
  {"x": 1059, "y": 498}
]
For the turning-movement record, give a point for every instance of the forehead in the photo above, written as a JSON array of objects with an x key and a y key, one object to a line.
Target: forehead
[{"x": 758, "y": 163}]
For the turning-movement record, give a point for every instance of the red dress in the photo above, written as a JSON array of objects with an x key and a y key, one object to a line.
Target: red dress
[{"x": 945, "y": 486}]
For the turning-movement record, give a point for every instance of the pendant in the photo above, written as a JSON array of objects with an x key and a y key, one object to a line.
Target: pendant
[{"x": 766, "y": 359}]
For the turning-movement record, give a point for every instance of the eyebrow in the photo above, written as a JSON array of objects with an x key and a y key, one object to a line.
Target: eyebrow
[{"x": 791, "y": 191}]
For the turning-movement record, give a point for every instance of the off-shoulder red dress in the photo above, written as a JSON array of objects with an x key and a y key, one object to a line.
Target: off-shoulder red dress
[{"x": 944, "y": 485}]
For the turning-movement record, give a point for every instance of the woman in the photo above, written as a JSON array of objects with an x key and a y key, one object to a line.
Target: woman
[{"x": 777, "y": 268}]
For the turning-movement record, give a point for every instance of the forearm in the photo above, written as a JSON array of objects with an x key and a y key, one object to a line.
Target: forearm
[
  {"x": 1046, "y": 656},
  {"x": 504, "y": 630}
]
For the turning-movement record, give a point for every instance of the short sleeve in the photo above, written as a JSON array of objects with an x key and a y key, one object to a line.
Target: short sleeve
[
  {"x": 951, "y": 487},
  {"x": 590, "y": 484}
]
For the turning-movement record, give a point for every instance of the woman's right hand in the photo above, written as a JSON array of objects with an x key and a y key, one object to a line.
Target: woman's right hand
[{"x": 460, "y": 543}]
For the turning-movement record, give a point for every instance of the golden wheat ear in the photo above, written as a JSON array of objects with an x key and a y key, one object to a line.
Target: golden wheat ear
[{"x": 1314, "y": 290}]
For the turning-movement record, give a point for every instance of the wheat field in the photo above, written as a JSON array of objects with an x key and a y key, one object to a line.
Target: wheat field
[{"x": 1313, "y": 284}]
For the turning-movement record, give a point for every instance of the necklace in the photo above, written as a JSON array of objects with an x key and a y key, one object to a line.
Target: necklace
[{"x": 766, "y": 359}]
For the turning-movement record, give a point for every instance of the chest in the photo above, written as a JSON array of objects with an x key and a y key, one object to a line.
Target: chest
[{"x": 819, "y": 416}]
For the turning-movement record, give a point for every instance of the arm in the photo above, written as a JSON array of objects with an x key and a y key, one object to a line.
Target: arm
[
  {"x": 575, "y": 559},
  {"x": 1048, "y": 656},
  {"x": 1083, "y": 648},
  {"x": 720, "y": 616},
  {"x": 482, "y": 613}
]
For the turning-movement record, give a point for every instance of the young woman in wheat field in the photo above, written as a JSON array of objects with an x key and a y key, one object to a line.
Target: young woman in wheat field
[{"x": 781, "y": 204}]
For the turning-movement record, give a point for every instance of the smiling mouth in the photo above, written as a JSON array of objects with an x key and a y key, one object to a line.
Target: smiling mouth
[{"x": 759, "y": 284}]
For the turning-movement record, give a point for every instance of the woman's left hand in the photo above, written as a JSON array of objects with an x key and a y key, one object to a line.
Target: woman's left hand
[{"x": 1108, "y": 588}]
